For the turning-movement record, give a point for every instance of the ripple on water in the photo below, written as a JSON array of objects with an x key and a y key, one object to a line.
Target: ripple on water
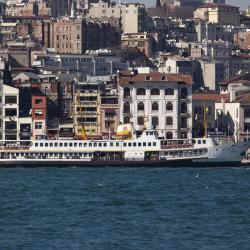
[{"x": 124, "y": 208}]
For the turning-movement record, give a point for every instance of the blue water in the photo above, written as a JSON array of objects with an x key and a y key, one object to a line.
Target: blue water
[{"x": 124, "y": 208}]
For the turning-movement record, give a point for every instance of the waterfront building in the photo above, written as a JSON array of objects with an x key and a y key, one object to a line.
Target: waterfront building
[
  {"x": 39, "y": 116},
  {"x": 86, "y": 109},
  {"x": 10, "y": 110},
  {"x": 157, "y": 101},
  {"x": 204, "y": 112}
]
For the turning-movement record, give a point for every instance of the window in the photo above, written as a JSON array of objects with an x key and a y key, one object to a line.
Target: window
[
  {"x": 155, "y": 106},
  {"x": 169, "y": 106},
  {"x": 10, "y": 112},
  {"x": 184, "y": 108},
  {"x": 169, "y": 121},
  {"x": 169, "y": 135},
  {"x": 141, "y": 91},
  {"x": 140, "y": 106},
  {"x": 155, "y": 91},
  {"x": 126, "y": 119},
  {"x": 38, "y": 101},
  {"x": 155, "y": 121},
  {"x": 184, "y": 135},
  {"x": 184, "y": 122},
  {"x": 10, "y": 99},
  {"x": 38, "y": 125},
  {"x": 126, "y": 108},
  {"x": 184, "y": 93},
  {"x": 12, "y": 125},
  {"x": 126, "y": 92},
  {"x": 38, "y": 113},
  {"x": 169, "y": 91},
  {"x": 140, "y": 120}
]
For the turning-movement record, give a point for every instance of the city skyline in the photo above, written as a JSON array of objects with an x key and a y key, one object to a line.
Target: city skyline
[{"x": 243, "y": 3}]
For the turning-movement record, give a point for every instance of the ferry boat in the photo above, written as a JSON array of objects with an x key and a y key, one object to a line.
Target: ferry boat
[{"x": 144, "y": 148}]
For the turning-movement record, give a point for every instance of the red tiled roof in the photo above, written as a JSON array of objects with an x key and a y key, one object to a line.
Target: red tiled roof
[
  {"x": 242, "y": 98},
  {"x": 125, "y": 77},
  {"x": 208, "y": 96},
  {"x": 236, "y": 79}
]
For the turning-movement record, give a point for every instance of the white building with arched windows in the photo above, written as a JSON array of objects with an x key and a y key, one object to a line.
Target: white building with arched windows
[{"x": 157, "y": 101}]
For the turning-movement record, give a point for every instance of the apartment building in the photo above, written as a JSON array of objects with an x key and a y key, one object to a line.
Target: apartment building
[
  {"x": 76, "y": 35},
  {"x": 39, "y": 116},
  {"x": 86, "y": 109},
  {"x": 222, "y": 14},
  {"x": 94, "y": 63},
  {"x": 141, "y": 41},
  {"x": 10, "y": 113},
  {"x": 130, "y": 14},
  {"x": 157, "y": 101}
]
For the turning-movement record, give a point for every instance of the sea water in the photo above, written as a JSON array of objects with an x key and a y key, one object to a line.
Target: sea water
[{"x": 124, "y": 208}]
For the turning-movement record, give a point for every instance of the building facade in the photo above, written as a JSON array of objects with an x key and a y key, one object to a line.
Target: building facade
[
  {"x": 157, "y": 101},
  {"x": 10, "y": 113},
  {"x": 86, "y": 109},
  {"x": 39, "y": 116},
  {"x": 222, "y": 14},
  {"x": 141, "y": 41}
]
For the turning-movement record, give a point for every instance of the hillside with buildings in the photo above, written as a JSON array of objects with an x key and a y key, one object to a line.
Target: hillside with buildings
[{"x": 73, "y": 65}]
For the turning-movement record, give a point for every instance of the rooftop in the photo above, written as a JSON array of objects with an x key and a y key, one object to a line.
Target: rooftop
[{"x": 127, "y": 76}]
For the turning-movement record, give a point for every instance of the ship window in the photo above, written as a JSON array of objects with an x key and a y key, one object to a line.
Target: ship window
[
  {"x": 154, "y": 143},
  {"x": 129, "y": 144},
  {"x": 51, "y": 144},
  {"x": 134, "y": 144},
  {"x": 65, "y": 144},
  {"x": 60, "y": 144},
  {"x": 111, "y": 144},
  {"x": 41, "y": 144},
  {"x": 124, "y": 144},
  {"x": 117, "y": 144},
  {"x": 90, "y": 145},
  {"x": 70, "y": 144},
  {"x": 80, "y": 144},
  {"x": 149, "y": 144},
  {"x": 199, "y": 141},
  {"x": 139, "y": 144},
  {"x": 85, "y": 144},
  {"x": 56, "y": 144},
  {"x": 95, "y": 144},
  {"x": 99, "y": 144},
  {"x": 36, "y": 144},
  {"x": 204, "y": 141},
  {"x": 46, "y": 144},
  {"x": 144, "y": 144},
  {"x": 75, "y": 144},
  {"x": 104, "y": 144}
]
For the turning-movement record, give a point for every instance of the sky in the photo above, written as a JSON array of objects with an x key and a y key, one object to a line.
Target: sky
[{"x": 241, "y": 3}]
